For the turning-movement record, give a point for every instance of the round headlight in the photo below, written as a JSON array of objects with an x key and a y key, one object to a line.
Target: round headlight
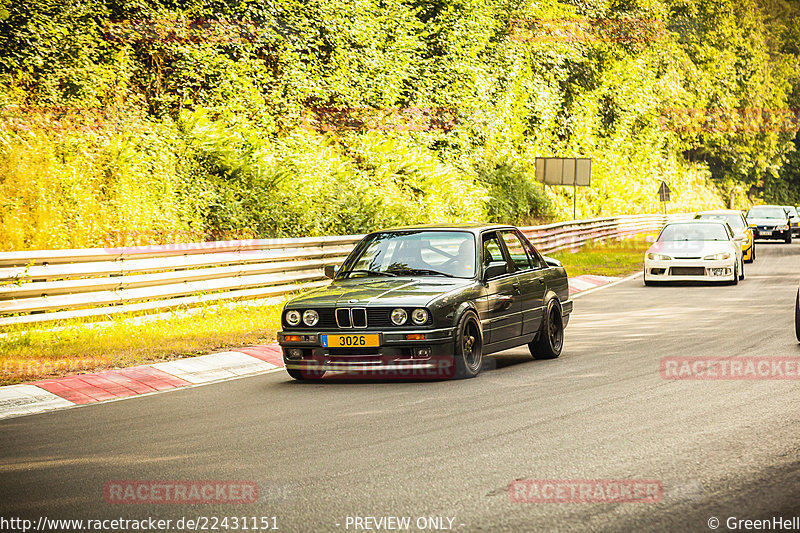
[
  {"x": 399, "y": 317},
  {"x": 717, "y": 257},
  {"x": 310, "y": 318},
  {"x": 419, "y": 316},
  {"x": 293, "y": 317}
]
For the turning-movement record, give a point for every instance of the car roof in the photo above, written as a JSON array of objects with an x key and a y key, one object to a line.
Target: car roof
[
  {"x": 473, "y": 227},
  {"x": 721, "y": 212},
  {"x": 696, "y": 221}
]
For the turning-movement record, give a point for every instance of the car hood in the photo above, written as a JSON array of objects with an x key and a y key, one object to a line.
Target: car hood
[
  {"x": 766, "y": 221},
  {"x": 686, "y": 249},
  {"x": 380, "y": 291}
]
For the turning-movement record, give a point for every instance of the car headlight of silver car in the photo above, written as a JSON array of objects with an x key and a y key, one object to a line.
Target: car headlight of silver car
[
  {"x": 310, "y": 318},
  {"x": 782, "y": 228},
  {"x": 399, "y": 317},
  {"x": 718, "y": 257},
  {"x": 419, "y": 316},
  {"x": 658, "y": 257},
  {"x": 293, "y": 317}
]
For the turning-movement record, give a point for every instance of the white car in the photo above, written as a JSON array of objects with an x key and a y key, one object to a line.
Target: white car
[{"x": 698, "y": 250}]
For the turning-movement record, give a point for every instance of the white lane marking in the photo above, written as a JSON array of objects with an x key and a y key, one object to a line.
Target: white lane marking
[
  {"x": 607, "y": 285},
  {"x": 582, "y": 284},
  {"x": 18, "y": 400},
  {"x": 214, "y": 367},
  {"x": 70, "y": 405}
]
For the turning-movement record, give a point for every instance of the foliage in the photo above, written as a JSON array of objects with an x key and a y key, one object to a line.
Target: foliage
[{"x": 204, "y": 114}]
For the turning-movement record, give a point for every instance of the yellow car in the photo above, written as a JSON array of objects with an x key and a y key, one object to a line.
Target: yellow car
[{"x": 739, "y": 225}]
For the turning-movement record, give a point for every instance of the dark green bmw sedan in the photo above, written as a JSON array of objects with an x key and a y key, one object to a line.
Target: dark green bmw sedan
[{"x": 428, "y": 302}]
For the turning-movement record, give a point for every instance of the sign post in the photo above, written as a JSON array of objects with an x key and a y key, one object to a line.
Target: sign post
[
  {"x": 575, "y": 171},
  {"x": 663, "y": 195}
]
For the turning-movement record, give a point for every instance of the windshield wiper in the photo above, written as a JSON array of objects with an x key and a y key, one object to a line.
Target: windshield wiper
[
  {"x": 364, "y": 271},
  {"x": 424, "y": 271}
]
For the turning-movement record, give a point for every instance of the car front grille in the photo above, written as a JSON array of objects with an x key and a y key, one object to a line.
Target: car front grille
[
  {"x": 359, "y": 318},
  {"x": 343, "y": 318},
  {"x": 688, "y": 271},
  {"x": 380, "y": 318},
  {"x": 327, "y": 318}
]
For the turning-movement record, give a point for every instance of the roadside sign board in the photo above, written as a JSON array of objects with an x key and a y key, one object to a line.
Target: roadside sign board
[
  {"x": 572, "y": 171},
  {"x": 664, "y": 192}
]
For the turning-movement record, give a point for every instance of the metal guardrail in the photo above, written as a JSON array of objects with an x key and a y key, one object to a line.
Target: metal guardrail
[{"x": 50, "y": 285}]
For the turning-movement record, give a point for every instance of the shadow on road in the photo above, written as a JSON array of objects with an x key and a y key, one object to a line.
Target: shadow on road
[{"x": 490, "y": 363}]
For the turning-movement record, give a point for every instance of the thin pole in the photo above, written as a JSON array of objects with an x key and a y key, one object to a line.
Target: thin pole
[{"x": 574, "y": 201}]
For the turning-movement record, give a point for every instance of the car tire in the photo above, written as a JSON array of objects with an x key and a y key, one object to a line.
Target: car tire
[
  {"x": 550, "y": 340},
  {"x": 788, "y": 239},
  {"x": 469, "y": 346},
  {"x": 735, "y": 280},
  {"x": 753, "y": 252},
  {"x": 741, "y": 270},
  {"x": 305, "y": 375},
  {"x": 647, "y": 282},
  {"x": 797, "y": 317}
]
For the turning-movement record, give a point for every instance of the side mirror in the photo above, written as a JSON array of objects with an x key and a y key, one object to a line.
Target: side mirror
[
  {"x": 495, "y": 269},
  {"x": 552, "y": 262},
  {"x": 330, "y": 271}
]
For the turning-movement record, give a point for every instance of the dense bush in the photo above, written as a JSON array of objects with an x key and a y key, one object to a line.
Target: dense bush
[{"x": 176, "y": 134}]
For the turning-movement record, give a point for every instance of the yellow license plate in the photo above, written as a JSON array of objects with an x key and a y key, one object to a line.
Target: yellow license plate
[{"x": 350, "y": 341}]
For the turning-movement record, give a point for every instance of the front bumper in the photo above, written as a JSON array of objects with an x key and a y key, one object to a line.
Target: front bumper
[
  {"x": 677, "y": 270},
  {"x": 771, "y": 232},
  {"x": 396, "y": 355}
]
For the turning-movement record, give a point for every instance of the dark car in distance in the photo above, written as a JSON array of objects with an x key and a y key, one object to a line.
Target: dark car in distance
[
  {"x": 428, "y": 301},
  {"x": 770, "y": 222}
]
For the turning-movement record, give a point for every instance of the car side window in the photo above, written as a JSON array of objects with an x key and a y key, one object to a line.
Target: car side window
[
  {"x": 516, "y": 250},
  {"x": 535, "y": 259},
  {"x": 491, "y": 249}
]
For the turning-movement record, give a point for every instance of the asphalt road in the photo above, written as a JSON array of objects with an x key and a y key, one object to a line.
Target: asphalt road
[{"x": 323, "y": 452}]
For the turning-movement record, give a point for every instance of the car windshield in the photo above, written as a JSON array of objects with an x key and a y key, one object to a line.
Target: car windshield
[
  {"x": 694, "y": 232},
  {"x": 766, "y": 212},
  {"x": 733, "y": 219},
  {"x": 414, "y": 252}
]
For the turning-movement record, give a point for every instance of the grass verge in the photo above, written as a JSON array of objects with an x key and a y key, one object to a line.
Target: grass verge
[
  {"x": 78, "y": 346},
  {"x": 606, "y": 258}
]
